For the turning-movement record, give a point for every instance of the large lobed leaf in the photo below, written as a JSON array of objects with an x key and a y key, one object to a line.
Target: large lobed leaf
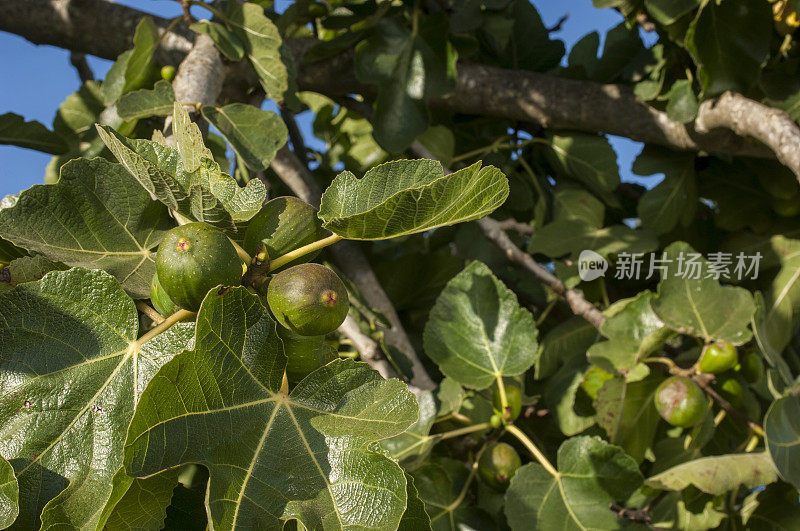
[
  {"x": 272, "y": 457},
  {"x": 701, "y": 306},
  {"x": 14, "y": 130},
  {"x": 262, "y": 45},
  {"x": 591, "y": 475},
  {"x": 9, "y": 494},
  {"x": 186, "y": 179},
  {"x": 71, "y": 373},
  {"x": 782, "y": 438},
  {"x": 408, "y": 196},
  {"x": 477, "y": 332},
  {"x": 254, "y": 134},
  {"x": 633, "y": 331},
  {"x": 96, "y": 216},
  {"x": 718, "y": 474}
]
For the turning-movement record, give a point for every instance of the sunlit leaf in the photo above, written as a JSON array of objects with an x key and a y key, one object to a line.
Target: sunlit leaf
[
  {"x": 718, "y": 474},
  {"x": 257, "y": 442},
  {"x": 72, "y": 373},
  {"x": 477, "y": 332},
  {"x": 96, "y": 216},
  {"x": 408, "y": 196}
]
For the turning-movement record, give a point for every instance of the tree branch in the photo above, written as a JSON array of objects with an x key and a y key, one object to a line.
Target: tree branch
[
  {"x": 78, "y": 60},
  {"x": 493, "y": 230},
  {"x": 367, "y": 348},
  {"x": 746, "y": 117},
  {"x": 104, "y": 29}
]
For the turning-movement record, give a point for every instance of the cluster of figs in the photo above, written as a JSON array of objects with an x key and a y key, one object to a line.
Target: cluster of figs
[
  {"x": 681, "y": 402},
  {"x": 307, "y": 300}
]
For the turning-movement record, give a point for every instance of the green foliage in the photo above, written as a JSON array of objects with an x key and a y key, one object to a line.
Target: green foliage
[{"x": 257, "y": 410}]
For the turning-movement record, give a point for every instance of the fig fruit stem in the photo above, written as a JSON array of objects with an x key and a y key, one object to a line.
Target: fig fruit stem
[
  {"x": 473, "y": 470},
  {"x": 533, "y": 449},
  {"x": 461, "y": 431},
  {"x": 304, "y": 250},
  {"x": 503, "y": 396},
  {"x": 150, "y": 312},
  {"x": 166, "y": 324}
]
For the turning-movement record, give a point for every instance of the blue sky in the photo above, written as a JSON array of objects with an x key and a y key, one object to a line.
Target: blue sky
[{"x": 43, "y": 77}]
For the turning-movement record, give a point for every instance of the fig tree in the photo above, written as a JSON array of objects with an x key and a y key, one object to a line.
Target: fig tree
[
  {"x": 497, "y": 465},
  {"x": 304, "y": 354},
  {"x": 194, "y": 258},
  {"x": 514, "y": 399},
  {"x": 282, "y": 225},
  {"x": 717, "y": 358},
  {"x": 680, "y": 401},
  {"x": 308, "y": 299},
  {"x": 161, "y": 301}
]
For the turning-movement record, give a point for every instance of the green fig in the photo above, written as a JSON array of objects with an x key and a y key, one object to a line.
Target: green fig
[
  {"x": 304, "y": 354},
  {"x": 309, "y": 299},
  {"x": 513, "y": 398},
  {"x": 497, "y": 465},
  {"x": 680, "y": 401},
  {"x": 194, "y": 258},
  {"x": 161, "y": 301},
  {"x": 717, "y": 358}
]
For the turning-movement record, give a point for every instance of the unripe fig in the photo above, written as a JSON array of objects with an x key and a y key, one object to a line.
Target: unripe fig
[
  {"x": 308, "y": 299},
  {"x": 496, "y": 420},
  {"x": 304, "y": 354},
  {"x": 514, "y": 399},
  {"x": 282, "y": 225},
  {"x": 168, "y": 73},
  {"x": 497, "y": 465},
  {"x": 717, "y": 358},
  {"x": 194, "y": 258},
  {"x": 161, "y": 301},
  {"x": 680, "y": 401}
]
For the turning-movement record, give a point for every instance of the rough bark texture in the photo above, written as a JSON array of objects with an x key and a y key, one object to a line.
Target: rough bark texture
[
  {"x": 200, "y": 75},
  {"x": 744, "y": 116},
  {"x": 101, "y": 28},
  {"x": 95, "y": 27}
]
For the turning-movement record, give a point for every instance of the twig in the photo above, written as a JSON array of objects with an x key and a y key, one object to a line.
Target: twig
[
  {"x": 640, "y": 516},
  {"x": 296, "y": 137},
  {"x": 367, "y": 348},
  {"x": 704, "y": 381},
  {"x": 78, "y": 60},
  {"x": 516, "y": 226},
  {"x": 493, "y": 231}
]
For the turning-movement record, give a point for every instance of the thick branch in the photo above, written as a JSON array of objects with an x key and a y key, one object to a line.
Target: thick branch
[
  {"x": 104, "y": 29},
  {"x": 746, "y": 117}
]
